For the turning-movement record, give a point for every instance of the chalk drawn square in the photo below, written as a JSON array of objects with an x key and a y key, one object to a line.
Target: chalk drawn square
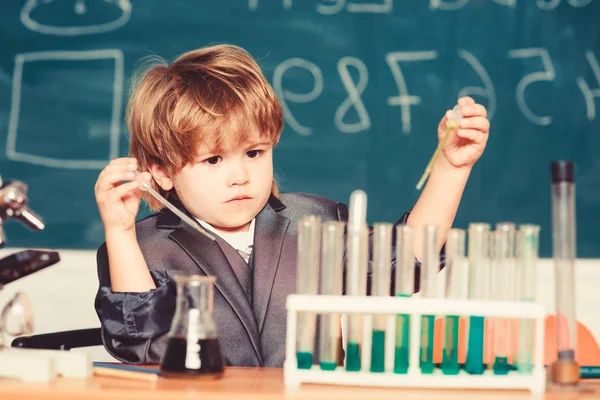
[{"x": 66, "y": 108}]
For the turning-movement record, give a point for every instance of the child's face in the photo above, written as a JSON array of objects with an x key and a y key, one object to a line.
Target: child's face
[{"x": 227, "y": 188}]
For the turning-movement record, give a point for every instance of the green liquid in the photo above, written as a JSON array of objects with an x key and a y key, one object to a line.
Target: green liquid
[
  {"x": 304, "y": 359},
  {"x": 378, "y": 351},
  {"x": 427, "y": 330},
  {"x": 450, "y": 356},
  {"x": 402, "y": 342},
  {"x": 501, "y": 366},
  {"x": 353, "y": 357},
  {"x": 328, "y": 365},
  {"x": 474, "y": 364}
]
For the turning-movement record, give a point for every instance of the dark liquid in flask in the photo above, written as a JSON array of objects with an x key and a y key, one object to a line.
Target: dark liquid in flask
[{"x": 195, "y": 359}]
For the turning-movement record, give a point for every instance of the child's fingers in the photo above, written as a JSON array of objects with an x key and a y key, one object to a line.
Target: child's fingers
[
  {"x": 471, "y": 134},
  {"x": 118, "y": 165},
  {"x": 473, "y": 110},
  {"x": 465, "y": 101},
  {"x": 119, "y": 192},
  {"x": 108, "y": 181},
  {"x": 479, "y": 123}
]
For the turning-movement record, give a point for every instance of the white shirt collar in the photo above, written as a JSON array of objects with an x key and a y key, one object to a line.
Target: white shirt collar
[{"x": 239, "y": 240}]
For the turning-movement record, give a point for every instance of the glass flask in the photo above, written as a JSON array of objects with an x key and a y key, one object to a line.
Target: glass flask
[{"x": 193, "y": 348}]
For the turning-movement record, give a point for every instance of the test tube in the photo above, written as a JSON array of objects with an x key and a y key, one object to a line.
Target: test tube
[
  {"x": 332, "y": 251},
  {"x": 479, "y": 289},
  {"x": 503, "y": 265},
  {"x": 527, "y": 255},
  {"x": 429, "y": 269},
  {"x": 404, "y": 287},
  {"x": 309, "y": 233},
  {"x": 382, "y": 267},
  {"x": 357, "y": 258},
  {"x": 457, "y": 280},
  {"x": 565, "y": 370}
]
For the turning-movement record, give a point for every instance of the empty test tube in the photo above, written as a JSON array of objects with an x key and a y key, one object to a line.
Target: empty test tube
[
  {"x": 429, "y": 269},
  {"x": 404, "y": 287},
  {"x": 309, "y": 234},
  {"x": 357, "y": 255},
  {"x": 527, "y": 255},
  {"x": 382, "y": 267},
  {"x": 457, "y": 280},
  {"x": 565, "y": 370},
  {"x": 479, "y": 289},
  {"x": 503, "y": 265},
  {"x": 332, "y": 251}
]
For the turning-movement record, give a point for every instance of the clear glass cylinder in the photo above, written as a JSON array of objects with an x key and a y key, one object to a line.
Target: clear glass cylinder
[
  {"x": 479, "y": 289},
  {"x": 357, "y": 257},
  {"x": 405, "y": 261},
  {"x": 527, "y": 256},
  {"x": 563, "y": 239},
  {"x": 332, "y": 251},
  {"x": 502, "y": 264},
  {"x": 404, "y": 287},
  {"x": 479, "y": 266},
  {"x": 430, "y": 263},
  {"x": 457, "y": 269},
  {"x": 457, "y": 281},
  {"x": 193, "y": 347},
  {"x": 307, "y": 275}
]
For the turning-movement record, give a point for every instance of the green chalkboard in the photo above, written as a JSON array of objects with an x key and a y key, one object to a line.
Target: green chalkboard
[{"x": 363, "y": 84}]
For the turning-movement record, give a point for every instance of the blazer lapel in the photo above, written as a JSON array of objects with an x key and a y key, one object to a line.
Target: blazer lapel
[
  {"x": 209, "y": 257},
  {"x": 269, "y": 233}
]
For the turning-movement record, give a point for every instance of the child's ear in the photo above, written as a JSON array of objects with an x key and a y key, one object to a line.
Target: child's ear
[{"x": 159, "y": 173}]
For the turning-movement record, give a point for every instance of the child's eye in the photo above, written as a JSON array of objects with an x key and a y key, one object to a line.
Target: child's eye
[
  {"x": 212, "y": 160},
  {"x": 253, "y": 153}
]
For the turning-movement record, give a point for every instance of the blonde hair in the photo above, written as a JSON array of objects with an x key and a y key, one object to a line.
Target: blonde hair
[{"x": 204, "y": 96}]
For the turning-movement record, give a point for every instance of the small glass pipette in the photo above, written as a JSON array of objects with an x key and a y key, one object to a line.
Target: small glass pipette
[
  {"x": 145, "y": 186},
  {"x": 429, "y": 269},
  {"x": 457, "y": 280},
  {"x": 404, "y": 287},
  {"x": 382, "y": 267},
  {"x": 451, "y": 124},
  {"x": 527, "y": 255},
  {"x": 565, "y": 371},
  {"x": 356, "y": 273},
  {"x": 332, "y": 252},
  {"x": 307, "y": 274},
  {"x": 479, "y": 289}
]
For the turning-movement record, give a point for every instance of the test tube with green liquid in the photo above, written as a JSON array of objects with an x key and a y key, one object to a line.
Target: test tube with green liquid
[
  {"x": 404, "y": 287},
  {"x": 381, "y": 274},
  {"x": 332, "y": 251},
  {"x": 309, "y": 235},
  {"x": 527, "y": 256},
  {"x": 357, "y": 258},
  {"x": 479, "y": 289},
  {"x": 430, "y": 266},
  {"x": 503, "y": 270},
  {"x": 457, "y": 280}
]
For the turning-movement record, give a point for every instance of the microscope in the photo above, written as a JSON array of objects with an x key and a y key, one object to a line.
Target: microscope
[{"x": 16, "y": 317}]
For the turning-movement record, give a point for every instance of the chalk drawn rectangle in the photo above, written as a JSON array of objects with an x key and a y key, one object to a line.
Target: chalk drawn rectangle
[{"x": 76, "y": 97}]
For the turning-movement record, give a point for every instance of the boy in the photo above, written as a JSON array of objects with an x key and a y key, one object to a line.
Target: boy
[{"x": 205, "y": 127}]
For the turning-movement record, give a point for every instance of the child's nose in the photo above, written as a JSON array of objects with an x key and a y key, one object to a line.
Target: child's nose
[{"x": 238, "y": 174}]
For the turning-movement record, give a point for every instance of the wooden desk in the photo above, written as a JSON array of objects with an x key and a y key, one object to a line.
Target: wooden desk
[{"x": 246, "y": 383}]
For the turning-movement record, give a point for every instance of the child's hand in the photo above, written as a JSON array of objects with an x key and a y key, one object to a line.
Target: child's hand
[
  {"x": 118, "y": 202},
  {"x": 466, "y": 144}
]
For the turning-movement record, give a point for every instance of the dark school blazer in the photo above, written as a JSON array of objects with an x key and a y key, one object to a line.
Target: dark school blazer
[{"x": 249, "y": 301}]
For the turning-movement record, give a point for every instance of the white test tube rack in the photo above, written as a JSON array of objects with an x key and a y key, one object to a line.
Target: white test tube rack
[{"x": 415, "y": 307}]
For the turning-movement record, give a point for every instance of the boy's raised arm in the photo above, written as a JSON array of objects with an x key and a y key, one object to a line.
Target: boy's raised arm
[
  {"x": 440, "y": 198},
  {"x": 118, "y": 204}
]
